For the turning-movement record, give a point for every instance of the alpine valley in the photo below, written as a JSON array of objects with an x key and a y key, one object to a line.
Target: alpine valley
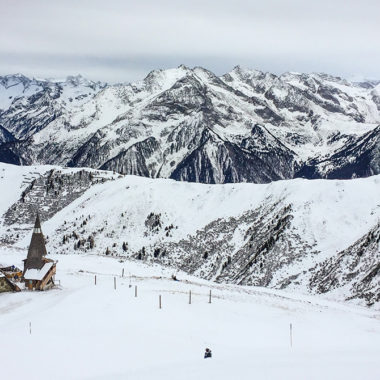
[{"x": 287, "y": 172}]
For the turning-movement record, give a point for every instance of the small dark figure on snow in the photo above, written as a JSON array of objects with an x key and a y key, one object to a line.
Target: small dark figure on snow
[
  {"x": 208, "y": 353},
  {"x": 174, "y": 277}
]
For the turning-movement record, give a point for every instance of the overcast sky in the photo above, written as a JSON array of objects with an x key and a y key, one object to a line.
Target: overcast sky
[{"x": 121, "y": 40}]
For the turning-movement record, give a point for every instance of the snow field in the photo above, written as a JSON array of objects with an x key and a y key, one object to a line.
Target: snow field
[{"x": 83, "y": 331}]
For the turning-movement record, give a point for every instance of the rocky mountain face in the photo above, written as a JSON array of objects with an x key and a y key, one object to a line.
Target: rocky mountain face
[
  {"x": 47, "y": 194},
  {"x": 357, "y": 269},
  {"x": 191, "y": 125}
]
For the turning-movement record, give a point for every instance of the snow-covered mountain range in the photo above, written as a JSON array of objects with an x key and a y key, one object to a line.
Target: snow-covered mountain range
[
  {"x": 319, "y": 236},
  {"x": 308, "y": 242},
  {"x": 191, "y": 125}
]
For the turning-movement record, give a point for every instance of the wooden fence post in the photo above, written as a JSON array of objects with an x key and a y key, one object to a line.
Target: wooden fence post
[
  {"x": 135, "y": 290},
  {"x": 190, "y": 297},
  {"x": 209, "y": 297},
  {"x": 291, "y": 335},
  {"x": 114, "y": 282},
  {"x": 30, "y": 328},
  {"x": 122, "y": 273},
  {"x": 95, "y": 279},
  {"x": 159, "y": 301}
]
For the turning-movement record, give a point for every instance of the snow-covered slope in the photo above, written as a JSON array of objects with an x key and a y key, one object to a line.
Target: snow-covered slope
[
  {"x": 191, "y": 125},
  {"x": 83, "y": 331},
  {"x": 276, "y": 235},
  {"x": 355, "y": 270}
]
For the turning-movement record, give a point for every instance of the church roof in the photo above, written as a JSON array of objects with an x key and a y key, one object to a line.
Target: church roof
[
  {"x": 37, "y": 250},
  {"x": 38, "y": 274}
]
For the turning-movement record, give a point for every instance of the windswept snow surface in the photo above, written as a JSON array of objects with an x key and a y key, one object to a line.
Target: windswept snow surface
[{"x": 83, "y": 331}]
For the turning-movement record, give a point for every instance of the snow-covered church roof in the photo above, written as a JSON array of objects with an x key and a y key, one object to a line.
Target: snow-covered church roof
[{"x": 38, "y": 274}]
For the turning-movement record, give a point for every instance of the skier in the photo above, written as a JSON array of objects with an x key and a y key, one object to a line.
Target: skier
[{"x": 208, "y": 353}]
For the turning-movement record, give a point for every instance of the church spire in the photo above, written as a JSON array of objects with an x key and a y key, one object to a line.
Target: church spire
[
  {"x": 37, "y": 225},
  {"x": 37, "y": 250}
]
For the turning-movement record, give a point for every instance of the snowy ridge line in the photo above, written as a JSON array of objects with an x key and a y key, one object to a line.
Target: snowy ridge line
[{"x": 275, "y": 235}]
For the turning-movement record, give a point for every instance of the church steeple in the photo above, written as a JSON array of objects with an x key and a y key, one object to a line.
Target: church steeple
[
  {"x": 37, "y": 225},
  {"x": 37, "y": 250}
]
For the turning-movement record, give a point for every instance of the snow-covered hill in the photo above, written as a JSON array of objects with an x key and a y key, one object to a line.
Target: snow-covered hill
[
  {"x": 83, "y": 331},
  {"x": 191, "y": 125},
  {"x": 298, "y": 234}
]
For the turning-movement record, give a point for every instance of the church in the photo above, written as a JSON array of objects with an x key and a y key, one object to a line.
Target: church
[{"x": 39, "y": 271}]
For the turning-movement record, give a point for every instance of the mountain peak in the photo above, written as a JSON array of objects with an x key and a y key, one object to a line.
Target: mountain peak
[
  {"x": 78, "y": 80},
  {"x": 183, "y": 67},
  {"x": 244, "y": 72}
]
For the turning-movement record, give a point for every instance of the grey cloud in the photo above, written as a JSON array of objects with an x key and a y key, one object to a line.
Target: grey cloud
[{"x": 122, "y": 40}]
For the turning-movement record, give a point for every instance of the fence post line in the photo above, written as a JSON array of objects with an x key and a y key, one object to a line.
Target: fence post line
[
  {"x": 190, "y": 297},
  {"x": 122, "y": 273},
  {"x": 135, "y": 290},
  {"x": 209, "y": 298},
  {"x": 291, "y": 335},
  {"x": 95, "y": 279},
  {"x": 159, "y": 301},
  {"x": 114, "y": 282},
  {"x": 30, "y": 328}
]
